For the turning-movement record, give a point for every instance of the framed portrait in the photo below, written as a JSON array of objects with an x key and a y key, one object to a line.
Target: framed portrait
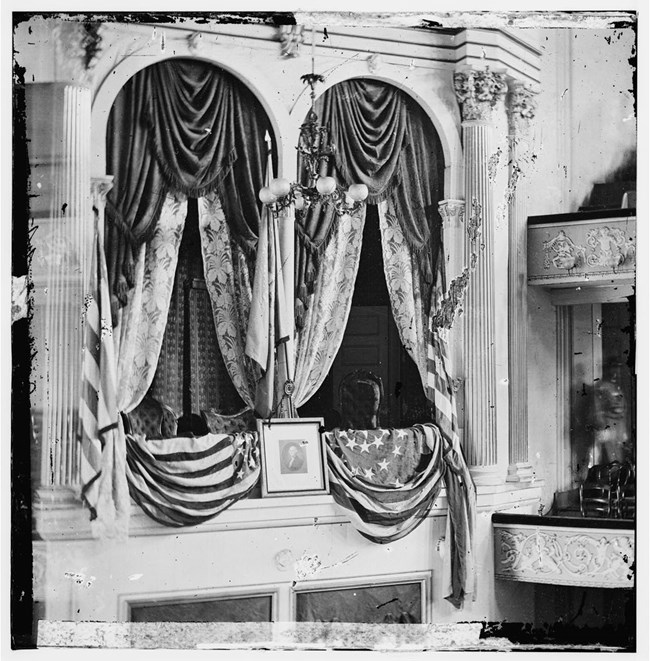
[{"x": 293, "y": 457}]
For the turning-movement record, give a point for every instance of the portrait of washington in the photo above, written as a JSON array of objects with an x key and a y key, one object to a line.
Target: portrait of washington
[{"x": 292, "y": 458}]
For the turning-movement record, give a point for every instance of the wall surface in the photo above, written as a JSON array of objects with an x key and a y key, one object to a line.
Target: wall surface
[{"x": 584, "y": 129}]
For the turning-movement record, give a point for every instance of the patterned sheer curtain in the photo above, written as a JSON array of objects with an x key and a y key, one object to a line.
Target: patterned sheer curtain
[
  {"x": 406, "y": 287},
  {"x": 228, "y": 279},
  {"x": 141, "y": 323},
  {"x": 326, "y": 317}
]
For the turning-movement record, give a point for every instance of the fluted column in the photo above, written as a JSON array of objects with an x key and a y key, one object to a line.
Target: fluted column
[
  {"x": 479, "y": 93},
  {"x": 521, "y": 110},
  {"x": 59, "y": 132}
]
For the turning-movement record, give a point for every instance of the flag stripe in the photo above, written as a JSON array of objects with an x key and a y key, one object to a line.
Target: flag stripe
[{"x": 202, "y": 477}]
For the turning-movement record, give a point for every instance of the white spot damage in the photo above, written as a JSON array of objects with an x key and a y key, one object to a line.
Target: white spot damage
[{"x": 80, "y": 578}]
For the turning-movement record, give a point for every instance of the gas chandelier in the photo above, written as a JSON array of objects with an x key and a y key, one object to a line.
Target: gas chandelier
[{"x": 315, "y": 150}]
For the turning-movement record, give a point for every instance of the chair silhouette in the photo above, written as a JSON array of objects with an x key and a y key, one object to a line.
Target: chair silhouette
[
  {"x": 599, "y": 491},
  {"x": 626, "y": 497},
  {"x": 151, "y": 418},
  {"x": 360, "y": 396},
  {"x": 218, "y": 423}
]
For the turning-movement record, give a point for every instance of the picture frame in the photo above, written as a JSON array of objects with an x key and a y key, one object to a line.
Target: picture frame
[{"x": 293, "y": 457}]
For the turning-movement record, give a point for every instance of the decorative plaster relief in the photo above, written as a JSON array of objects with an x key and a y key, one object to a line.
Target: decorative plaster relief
[
  {"x": 609, "y": 248},
  {"x": 291, "y": 37},
  {"x": 451, "y": 306},
  {"x": 195, "y": 42},
  {"x": 582, "y": 253},
  {"x": 589, "y": 558},
  {"x": 563, "y": 253},
  {"x": 478, "y": 92},
  {"x": 521, "y": 108},
  {"x": 452, "y": 210},
  {"x": 78, "y": 45},
  {"x": 54, "y": 250}
]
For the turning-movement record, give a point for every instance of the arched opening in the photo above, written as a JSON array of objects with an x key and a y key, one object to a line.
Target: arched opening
[
  {"x": 187, "y": 131},
  {"x": 371, "y": 341}
]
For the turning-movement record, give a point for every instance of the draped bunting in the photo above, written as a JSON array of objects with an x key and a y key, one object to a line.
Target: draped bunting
[
  {"x": 186, "y": 127},
  {"x": 186, "y": 481},
  {"x": 385, "y": 140},
  {"x": 388, "y": 499}
]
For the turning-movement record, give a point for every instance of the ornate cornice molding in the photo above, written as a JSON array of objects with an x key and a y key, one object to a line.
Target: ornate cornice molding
[
  {"x": 521, "y": 107},
  {"x": 478, "y": 92}
]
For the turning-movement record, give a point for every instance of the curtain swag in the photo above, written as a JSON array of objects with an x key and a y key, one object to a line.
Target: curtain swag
[
  {"x": 181, "y": 127},
  {"x": 384, "y": 140}
]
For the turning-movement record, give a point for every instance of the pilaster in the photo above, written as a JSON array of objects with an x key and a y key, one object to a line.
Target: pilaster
[
  {"x": 58, "y": 128},
  {"x": 521, "y": 110},
  {"x": 479, "y": 93}
]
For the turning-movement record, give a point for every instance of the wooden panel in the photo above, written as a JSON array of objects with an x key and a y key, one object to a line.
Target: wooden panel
[
  {"x": 367, "y": 604},
  {"x": 230, "y": 609}
]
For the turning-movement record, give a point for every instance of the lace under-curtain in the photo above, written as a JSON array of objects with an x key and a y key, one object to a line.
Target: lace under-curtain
[
  {"x": 329, "y": 306},
  {"x": 141, "y": 323},
  {"x": 229, "y": 283}
]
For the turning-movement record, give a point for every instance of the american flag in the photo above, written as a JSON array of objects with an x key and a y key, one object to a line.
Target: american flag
[
  {"x": 439, "y": 388},
  {"x": 387, "y": 480},
  {"x": 186, "y": 481},
  {"x": 103, "y": 455},
  {"x": 374, "y": 475}
]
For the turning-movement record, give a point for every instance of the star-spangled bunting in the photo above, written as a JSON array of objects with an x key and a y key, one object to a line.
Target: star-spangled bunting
[{"x": 388, "y": 489}]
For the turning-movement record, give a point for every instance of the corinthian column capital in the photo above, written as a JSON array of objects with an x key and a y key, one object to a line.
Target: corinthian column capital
[
  {"x": 452, "y": 211},
  {"x": 99, "y": 187},
  {"x": 477, "y": 92},
  {"x": 521, "y": 107}
]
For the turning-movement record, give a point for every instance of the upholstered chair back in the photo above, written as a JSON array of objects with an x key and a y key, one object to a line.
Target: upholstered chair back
[
  {"x": 218, "y": 423},
  {"x": 360, "y": 396},
  {"x": 151, "y": 418}
]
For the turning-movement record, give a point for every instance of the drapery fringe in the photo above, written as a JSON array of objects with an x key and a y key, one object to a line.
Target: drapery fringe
[
  {"x": 177, "y": 186},
  {"x": 373, "y": 198}
]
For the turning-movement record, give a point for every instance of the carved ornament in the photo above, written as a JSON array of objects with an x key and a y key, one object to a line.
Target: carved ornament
[
  {"x": 563, "y": 253},
  {"x": 452, "y": 210},
  {"x": 597, "y": 557},
  {"x": 195, "y": 42},
  {"x": 291, "y": 37},
  {"x": 609, "y": 248},
  {"x": 99, "y": 187},
  {"x": 451, "y": 306},
  {"x": 78, "y": 45},
  {"x": 478, "y": 92},
  {"x": 521, "y": 107}
]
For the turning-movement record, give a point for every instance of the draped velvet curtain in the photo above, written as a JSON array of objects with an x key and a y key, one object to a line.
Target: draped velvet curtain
[
  {"x": 384, "y": 140},
  {"x": 180, "y": 126}
]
